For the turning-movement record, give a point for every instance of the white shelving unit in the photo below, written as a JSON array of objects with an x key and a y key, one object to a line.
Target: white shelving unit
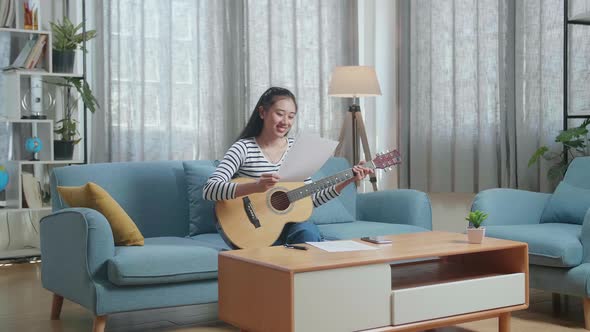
[{"x": 16, "y": 85}]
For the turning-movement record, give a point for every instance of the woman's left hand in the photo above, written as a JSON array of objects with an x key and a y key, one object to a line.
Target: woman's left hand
[{"x": 361, "y": 171}]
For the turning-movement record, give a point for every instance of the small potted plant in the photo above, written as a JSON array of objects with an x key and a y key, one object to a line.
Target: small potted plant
[
  {"x": 66, "y": 39},
  {"x": 67, "y": 128},
  {"x": 475, "y": 233}
]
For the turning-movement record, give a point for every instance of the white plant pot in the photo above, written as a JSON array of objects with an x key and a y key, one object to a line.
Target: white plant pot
[{"x": 476, "y": 235}]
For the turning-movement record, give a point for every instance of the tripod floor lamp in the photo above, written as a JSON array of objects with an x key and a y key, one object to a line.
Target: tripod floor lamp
[{"x": 355, "y": 82}]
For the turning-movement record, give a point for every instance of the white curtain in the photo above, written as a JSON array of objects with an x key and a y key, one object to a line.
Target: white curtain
[
  {"x": 378, "y": 47},
  {"x": 485, "y": 85},
  {"x": 182, "y": 77}
]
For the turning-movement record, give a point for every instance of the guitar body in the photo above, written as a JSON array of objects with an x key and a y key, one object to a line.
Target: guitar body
[{"x": 257, "y": 220}]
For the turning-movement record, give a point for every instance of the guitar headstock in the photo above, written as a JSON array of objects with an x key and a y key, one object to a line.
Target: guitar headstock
[{"x": 387, "y": 159}]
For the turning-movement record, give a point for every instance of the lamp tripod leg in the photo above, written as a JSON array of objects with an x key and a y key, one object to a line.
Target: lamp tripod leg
[{"x": 365, "y": 142}]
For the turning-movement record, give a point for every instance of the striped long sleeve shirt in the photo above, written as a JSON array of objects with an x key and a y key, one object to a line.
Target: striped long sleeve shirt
[{"x": 245, "y": 159}]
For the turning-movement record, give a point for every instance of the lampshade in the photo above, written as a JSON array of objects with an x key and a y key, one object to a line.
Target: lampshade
[{"x": 353, "y": 82}]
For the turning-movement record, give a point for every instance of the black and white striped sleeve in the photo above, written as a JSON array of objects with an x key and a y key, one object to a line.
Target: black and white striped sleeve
[
  {"x": 218, "y": 186},
  {"x": 322, "y": 197}
]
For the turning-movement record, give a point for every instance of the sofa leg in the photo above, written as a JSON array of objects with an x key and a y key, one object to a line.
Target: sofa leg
[
  {"x": 556, "y": 302},
  {"x": 58, "y": 301},
  {"x": 586, "y": 313},
  {"x": 99, "y": 323}
]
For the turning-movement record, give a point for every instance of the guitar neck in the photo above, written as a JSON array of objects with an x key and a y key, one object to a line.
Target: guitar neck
[{"x": 312, "y": 188}]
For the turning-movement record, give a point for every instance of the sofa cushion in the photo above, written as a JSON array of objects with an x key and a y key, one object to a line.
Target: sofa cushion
[
  {"x": 162, "y": 260},
  {"x": 340, "y": 209},
  {"x": 211, "y": 240},
  {"x": 551, "y": 244},
  {"x": 357, "y": 229},
  {"x": 568, "y": 204},
  {"x": 201, "y": 211},
  {"x": 91, "y": 195}
]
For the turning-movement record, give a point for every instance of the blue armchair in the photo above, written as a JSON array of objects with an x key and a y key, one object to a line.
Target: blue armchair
[
  {"x": 555, "y": 226},
  {"x": 178, "y": 263}
]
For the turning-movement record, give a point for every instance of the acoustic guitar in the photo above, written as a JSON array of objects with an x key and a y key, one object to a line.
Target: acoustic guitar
[{"x": 257, "y": 220}]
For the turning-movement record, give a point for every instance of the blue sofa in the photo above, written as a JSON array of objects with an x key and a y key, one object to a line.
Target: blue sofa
[
  {"x": 555, "y": 226},
  {"x": 178, "y": 263}
]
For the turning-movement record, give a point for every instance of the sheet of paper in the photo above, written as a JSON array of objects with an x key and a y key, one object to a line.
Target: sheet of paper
[
  {"x": 340, "y": 246},
  {"x": 307, "y": 155}
]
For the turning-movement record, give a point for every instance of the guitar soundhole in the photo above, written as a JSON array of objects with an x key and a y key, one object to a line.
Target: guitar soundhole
[{"x": 279, "y": 200}]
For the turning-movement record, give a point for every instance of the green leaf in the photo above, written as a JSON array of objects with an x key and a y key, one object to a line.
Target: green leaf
[
  {"x": 571, "y": 134},
  {"x": 537, "y": 155},
  {"x": 576, "y": 144},
  {"x": 66, "y": 36}
]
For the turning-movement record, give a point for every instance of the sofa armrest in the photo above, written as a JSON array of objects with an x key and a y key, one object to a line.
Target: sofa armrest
[
  {"x": 402, "y": 206},
  {"x": 511, "y": 206},
  {"x": 75, "y": 247}
]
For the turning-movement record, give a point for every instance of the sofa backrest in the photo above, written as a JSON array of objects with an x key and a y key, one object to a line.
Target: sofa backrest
[
  {"x": 578, "y": 173},
  {"x": 153, "y": 194},
  {"x": 343, "y": 208}
]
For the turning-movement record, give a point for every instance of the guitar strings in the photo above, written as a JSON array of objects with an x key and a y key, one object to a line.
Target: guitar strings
[{"x": 285, "y": 198}]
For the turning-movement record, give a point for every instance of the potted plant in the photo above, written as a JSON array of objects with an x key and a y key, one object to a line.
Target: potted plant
[
  {"x": 475, "y": 233},
  {"x": 67, "y": 128},
  {"x": 66, "y": 39},
  {"x": 575, "y": 141}
]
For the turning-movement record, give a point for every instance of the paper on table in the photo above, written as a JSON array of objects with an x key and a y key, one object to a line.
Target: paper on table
[
  {"x": 307, "y": 155},
  {"x": 339, "y": 246}
]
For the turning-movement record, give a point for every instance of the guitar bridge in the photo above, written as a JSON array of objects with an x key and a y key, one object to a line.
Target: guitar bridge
[{"x": 250, "y": 212}]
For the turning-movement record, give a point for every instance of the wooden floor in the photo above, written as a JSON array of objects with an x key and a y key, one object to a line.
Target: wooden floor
[{"x": 25, "y": 306}]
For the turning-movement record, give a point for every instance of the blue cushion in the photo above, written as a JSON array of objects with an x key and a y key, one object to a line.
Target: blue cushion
[
  {"x": 201, "y": 212},
  {"x": 161, "y": 261},
  {"x": 357, "y": 229},
  {"x": 554, "y": 244},
  {"x": 211, "y": 240},
  {"x": 342, "y": 208},
  {"x": 568, "y": 204}
]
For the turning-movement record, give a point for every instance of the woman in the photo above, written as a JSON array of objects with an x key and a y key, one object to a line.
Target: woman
[{"x": 258, "y": 154}]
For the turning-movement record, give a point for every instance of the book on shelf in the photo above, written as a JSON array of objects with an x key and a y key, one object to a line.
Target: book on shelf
[
  {"x": 7, "y": 13},
  {"x": 32, "y": 197},
  {"x": 20, "y": 60},
  {"x": 30, "y": 54},
  {"x": 36, "y": 52}
]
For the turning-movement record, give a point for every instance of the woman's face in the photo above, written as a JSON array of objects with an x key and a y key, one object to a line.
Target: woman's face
[{"x": 279, "y": 118}]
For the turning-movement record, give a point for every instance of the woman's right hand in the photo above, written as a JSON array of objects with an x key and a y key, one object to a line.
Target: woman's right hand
[
  {"x": 267, "y": 181},
  {"x": 264, "y": 183}
]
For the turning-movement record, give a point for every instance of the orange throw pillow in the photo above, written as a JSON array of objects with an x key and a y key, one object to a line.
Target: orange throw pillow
[{"x": 92, "y": 196}]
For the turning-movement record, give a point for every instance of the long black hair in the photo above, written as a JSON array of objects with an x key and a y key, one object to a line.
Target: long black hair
[{"x": 269, "y": 97}]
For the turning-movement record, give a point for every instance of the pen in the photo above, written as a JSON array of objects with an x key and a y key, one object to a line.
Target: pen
[{"x": 292, "y": 246}]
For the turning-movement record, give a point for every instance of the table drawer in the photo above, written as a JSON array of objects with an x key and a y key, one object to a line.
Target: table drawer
[{"x": 436, "y": 300}]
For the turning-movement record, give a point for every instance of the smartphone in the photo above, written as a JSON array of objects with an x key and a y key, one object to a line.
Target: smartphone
[{"x": 376, "y": 239}]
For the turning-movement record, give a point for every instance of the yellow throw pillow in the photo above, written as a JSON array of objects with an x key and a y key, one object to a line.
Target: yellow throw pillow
[{"x": 92, "y": 196}]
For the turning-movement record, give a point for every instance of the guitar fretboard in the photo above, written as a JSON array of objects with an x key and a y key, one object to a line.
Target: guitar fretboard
[{"x": 312, "y": 188}]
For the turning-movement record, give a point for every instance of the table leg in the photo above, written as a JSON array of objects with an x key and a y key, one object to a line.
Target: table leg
[{"x": 504, "y": 322}]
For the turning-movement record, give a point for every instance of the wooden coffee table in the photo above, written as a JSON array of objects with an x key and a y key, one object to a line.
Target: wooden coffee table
[{"x": 420, "y": 281}]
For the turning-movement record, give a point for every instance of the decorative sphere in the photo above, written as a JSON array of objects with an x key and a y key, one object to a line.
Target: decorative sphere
[
  {"x": 33, "y": 144},
  {"x": 3, "y": 178}
]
